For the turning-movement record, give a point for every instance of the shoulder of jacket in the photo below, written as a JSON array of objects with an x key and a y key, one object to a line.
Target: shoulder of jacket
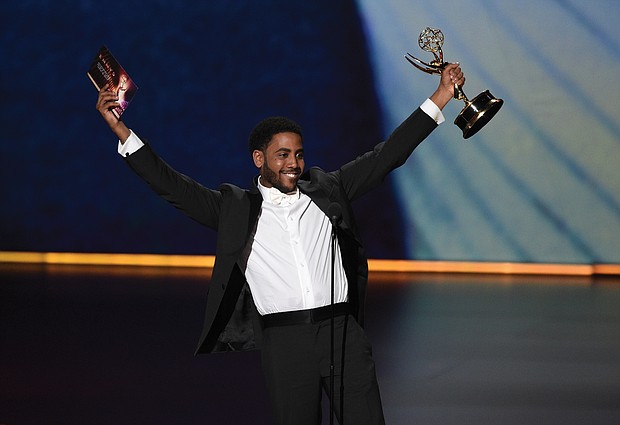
[
  {"x": 229, "y": 190},
  {"x": 318, "y": 175}
]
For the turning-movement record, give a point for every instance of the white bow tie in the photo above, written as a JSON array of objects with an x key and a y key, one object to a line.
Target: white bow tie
[{"x": 283, "y": 199}]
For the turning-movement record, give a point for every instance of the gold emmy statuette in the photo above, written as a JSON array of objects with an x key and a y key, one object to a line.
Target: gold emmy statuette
[{"x": 477, "y": 112}]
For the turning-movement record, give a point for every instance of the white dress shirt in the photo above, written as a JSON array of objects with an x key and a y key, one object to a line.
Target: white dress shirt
[{"x": 287, "y": 261}]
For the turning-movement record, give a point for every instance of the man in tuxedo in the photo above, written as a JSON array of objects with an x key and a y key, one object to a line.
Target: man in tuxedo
[{"x": 271, "y": 286}]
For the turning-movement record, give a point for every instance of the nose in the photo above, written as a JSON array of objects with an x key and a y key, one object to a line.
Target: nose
[{"x": 293, "y": 161}]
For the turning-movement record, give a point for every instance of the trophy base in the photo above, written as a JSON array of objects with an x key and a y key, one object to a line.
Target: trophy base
[{"x": 477, "y": 113}]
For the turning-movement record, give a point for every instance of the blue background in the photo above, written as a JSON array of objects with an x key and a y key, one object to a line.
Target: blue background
[{"x": 540, "y": 183}]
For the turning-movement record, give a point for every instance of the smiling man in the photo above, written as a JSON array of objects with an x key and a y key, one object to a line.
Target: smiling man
[
  {"x": 279, "y": 155},
  {"x": 271, "y": 286}
]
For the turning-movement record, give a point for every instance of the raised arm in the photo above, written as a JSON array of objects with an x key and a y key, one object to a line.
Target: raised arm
[
  {"x": 198, "y": 202},
  {"x": 369, "y": 170},
  {"x": 107, "y": 101}
]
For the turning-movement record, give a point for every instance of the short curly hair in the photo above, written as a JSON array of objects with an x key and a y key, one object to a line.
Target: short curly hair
[{"x": 263, "y": 132}]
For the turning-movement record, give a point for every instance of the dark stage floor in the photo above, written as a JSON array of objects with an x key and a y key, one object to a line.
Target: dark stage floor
[{"x": 83, "y": 345}]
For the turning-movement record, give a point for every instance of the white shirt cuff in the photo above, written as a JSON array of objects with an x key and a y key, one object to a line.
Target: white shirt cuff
[
  {"x": 432, "y": 111},
  {"x": 132, "y": 144}
]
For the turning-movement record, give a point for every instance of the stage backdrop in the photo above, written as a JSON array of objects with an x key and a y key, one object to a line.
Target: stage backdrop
[{"x": 541, "y": 183}]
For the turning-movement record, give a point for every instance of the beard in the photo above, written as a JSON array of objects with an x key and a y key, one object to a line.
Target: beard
[{"x": 269, "y": 176}]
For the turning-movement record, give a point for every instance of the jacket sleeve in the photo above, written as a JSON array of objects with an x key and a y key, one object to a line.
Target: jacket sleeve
[
  {"x": 370, "y": 169},
  {"x": 198, "y": 202}
]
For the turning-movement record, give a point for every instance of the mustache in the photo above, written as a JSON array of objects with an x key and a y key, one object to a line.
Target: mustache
[{"x": 292, "y": 170}]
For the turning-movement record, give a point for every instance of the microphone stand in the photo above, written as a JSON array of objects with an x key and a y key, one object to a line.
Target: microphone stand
[
  {"x": 334, "y": 213},
  {"x": 334, "y": 240}
]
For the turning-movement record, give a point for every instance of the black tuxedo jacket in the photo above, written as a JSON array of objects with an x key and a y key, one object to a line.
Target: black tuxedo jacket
[{"x": 231, "y": 319}]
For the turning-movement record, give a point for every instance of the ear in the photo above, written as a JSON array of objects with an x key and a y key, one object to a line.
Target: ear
[{"x": 259, "y": 158}]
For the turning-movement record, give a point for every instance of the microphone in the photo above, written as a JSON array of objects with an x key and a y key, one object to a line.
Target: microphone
[{"x": 334, "y": 212}]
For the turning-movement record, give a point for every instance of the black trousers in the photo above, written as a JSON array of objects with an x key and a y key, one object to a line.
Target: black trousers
[{"x": 296, "y": 364}]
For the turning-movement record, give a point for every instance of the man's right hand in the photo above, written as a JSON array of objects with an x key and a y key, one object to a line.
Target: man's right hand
[
  {"x": 107, "y": 101},
  {"x": 451, "y": 75}
]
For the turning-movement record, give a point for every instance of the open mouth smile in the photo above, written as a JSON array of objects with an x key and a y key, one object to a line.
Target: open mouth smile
[{"x": 291, "y": 173}]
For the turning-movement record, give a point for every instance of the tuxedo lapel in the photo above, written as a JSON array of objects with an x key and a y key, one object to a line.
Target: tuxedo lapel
[
  {"x": 318, "y": 195},
  {"x": 256, "y": 201},
  {"x": 323, "y": 197}
]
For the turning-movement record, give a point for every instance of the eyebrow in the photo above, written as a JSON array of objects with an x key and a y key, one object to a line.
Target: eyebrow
[{"x": 289, "y": 150}]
